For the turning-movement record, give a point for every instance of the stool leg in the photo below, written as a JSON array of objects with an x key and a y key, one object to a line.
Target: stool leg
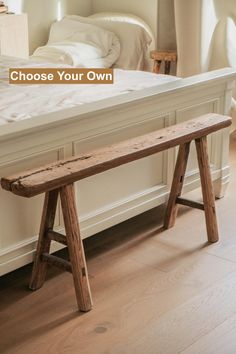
[
  {"x": 167, "y": 67},
  {"x": 76, "y": 249},
  {"x": 157, "y": 66},
  {"x": 207, "y": 190},
  {"x": 47, "y": 222},
  {"x": 177, "y": 185}
]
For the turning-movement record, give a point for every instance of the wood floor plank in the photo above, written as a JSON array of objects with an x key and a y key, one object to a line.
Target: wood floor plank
[
  {"x": 183, "y": 326},
  {"x": 132, "y": 289},
  {"x": 220, "y": 340}
]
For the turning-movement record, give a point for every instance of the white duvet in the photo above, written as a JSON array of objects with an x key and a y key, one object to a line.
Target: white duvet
[
  {"x": 22, "y": 102},
  {"x": 80, "y": 45}
]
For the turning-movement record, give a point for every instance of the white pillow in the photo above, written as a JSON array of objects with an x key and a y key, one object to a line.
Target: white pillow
[
  {"x": 134, "y": 40},
  {"x": 124, "y": 18},
  {"x": 80, "y": 45}
]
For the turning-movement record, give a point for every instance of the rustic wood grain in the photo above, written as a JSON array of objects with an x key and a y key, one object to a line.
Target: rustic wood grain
[
  {"x": 190, "y": 203},
  {"x": 157, "y": 66},
  {"x": 61, "y": 173},
  {"x": 43, "y": 246},
  {"x": 57, "y": 262},
  {"x": 56, "y": 236},
  {"x": 164, "y": 55},
  {"x": 177, "y": 185},
  {"x": 207, "y": 190},
  {"x": 76, "y": 249}
]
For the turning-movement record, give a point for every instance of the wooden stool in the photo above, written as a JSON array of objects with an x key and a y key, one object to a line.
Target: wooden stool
[
  {"x": 159, "y": 56},
  {"x": 57, "y": 179}
]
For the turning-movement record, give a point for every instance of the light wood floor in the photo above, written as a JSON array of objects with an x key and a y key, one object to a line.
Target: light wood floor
[{"x": 154, "y": 292}]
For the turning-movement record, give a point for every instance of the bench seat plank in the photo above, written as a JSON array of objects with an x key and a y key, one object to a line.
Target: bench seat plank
[{"x": 64, "y": 172}]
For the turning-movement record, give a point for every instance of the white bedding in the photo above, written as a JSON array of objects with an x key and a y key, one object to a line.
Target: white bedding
[
  {"x": 80, "y": 45},
  {"x": 19, "y": 102},
  {"x": 134, "y": 35}
]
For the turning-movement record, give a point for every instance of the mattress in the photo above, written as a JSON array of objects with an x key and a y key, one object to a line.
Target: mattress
[{"x": 19, "y": 102}]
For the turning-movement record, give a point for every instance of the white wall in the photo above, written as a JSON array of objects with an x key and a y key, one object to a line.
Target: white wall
[{"x": 41, "y": 13}]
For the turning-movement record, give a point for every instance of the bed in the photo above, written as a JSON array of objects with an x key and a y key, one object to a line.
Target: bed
[{"x": 32, "y": 137}]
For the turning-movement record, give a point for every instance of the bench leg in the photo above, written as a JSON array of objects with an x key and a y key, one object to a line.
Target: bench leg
[
  {"x": 43, "y": 246},
  {"x": 207, "y": 190},
  {"x": 75, "y": 247},
  {"x": 177, "y": 185}
]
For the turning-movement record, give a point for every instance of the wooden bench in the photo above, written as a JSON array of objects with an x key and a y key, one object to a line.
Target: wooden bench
[{"x": 58, "y": 179}]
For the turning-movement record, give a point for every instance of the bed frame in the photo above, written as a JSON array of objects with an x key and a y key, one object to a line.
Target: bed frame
[{"x": 62, "y": 134}]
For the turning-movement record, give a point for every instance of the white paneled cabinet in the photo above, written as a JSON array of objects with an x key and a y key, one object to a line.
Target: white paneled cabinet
[{"x": 14, "y": 35}]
